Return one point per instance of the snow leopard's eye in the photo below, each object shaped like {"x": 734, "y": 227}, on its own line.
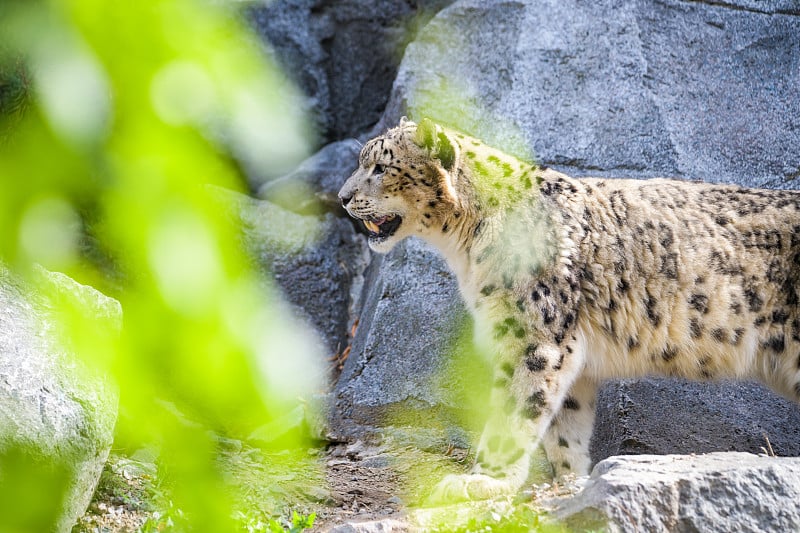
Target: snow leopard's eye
{"x": 379, "y": 169}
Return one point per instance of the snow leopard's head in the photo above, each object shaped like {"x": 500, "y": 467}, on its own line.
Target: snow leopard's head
{"x": 403, "y": 185}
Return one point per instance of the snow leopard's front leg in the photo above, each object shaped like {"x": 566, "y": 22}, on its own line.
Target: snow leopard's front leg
{"x": 528, "y": 391}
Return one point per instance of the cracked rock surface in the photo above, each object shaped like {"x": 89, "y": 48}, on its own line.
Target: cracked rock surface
{"x": 686, "y": 493}
{"x": 701, "y": 90}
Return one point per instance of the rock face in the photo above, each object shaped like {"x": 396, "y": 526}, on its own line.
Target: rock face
{"x": 689, "y": 89}
{"x": 679, "y": 493}
{"x": 342, "y": 54}
{"x": 408, "y": 327}
{"x": 660, "y": 416}
{"x": 56, "y": 421}
{"x": 317, "y": 261}
{"x": 692, "y": 89}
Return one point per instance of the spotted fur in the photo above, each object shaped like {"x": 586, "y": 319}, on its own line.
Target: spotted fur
{"x": 573, "y": 281}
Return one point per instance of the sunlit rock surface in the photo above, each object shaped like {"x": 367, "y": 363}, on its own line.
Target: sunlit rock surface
{"x": 634, "y": 89}
{"x": 56, "y": 418}
{"x": 682, "y": 493}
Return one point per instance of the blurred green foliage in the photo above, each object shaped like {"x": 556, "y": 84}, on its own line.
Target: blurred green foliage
{"x": 518, "y": 519}
{"x": 298, "y": 523}
{"x": 32, "y": 490}
{"x": 113, "y": 118}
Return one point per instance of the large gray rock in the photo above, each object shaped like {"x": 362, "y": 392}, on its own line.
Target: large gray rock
{"x": 701, "y": 90}
{"x": 681, "y": 493}
{"x": 56, "y": 417}
{"x": 343, "y": 54}
{"x": 409, "y": 324}
{"x": 660, "y": 416}
{"x": 316, "y": 261}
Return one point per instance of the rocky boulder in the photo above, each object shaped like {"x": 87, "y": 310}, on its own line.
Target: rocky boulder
{"x": 342, "y": 54}
{"x": 661, "y": 416}
{"x": 409, "y": 324}
{"x": 680, "y": 493}
{"x": 317, "y": 261}
{"x": 56, "y": 418}
{"x": 690, "y": 89}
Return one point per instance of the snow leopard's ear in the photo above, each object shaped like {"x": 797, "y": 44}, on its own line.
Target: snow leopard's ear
{"x": 425, "y": 136}
{"x": 431, "y": 137}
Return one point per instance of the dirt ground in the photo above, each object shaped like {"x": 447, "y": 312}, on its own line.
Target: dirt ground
{"x": 354, "y": 482}
{"x": 339, "y": 484}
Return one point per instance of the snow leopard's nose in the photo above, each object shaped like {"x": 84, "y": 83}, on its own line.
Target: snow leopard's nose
{"x": 348, "y": 190}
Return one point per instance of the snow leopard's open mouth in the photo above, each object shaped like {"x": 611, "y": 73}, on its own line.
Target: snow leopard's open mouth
{"x": 382, "y": 227}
